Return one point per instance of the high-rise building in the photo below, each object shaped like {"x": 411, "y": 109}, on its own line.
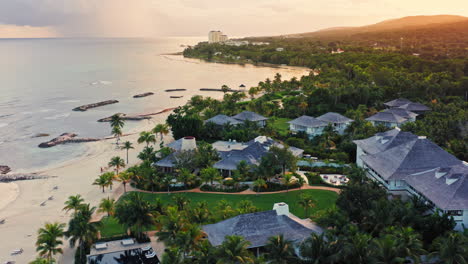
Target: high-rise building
{"x": 216, "y": 37}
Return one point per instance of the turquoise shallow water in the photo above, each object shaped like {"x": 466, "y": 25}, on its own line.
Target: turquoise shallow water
{"x": 41, "y": 80}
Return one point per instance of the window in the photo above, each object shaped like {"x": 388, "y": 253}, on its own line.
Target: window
{"x": 455, "y": 212}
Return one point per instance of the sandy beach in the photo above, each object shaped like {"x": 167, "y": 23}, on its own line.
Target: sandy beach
{"x": 20, "y": 203}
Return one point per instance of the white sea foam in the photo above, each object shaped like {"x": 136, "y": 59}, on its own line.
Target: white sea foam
{"x": 45, "y": 110}
{"x": 3, "y": 124}
{"x": 101, "y": 82}
{"x": 58, "y": 116}
{"x": 69, "y": 101}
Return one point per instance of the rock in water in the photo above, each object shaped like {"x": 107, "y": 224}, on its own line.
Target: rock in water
{"x": 4, "y": 169}
{"x": 41, "y": 135}
{"x": 125, "y": 117}
{"x": 89, "y": 106}
{"x": 143, "y": 95}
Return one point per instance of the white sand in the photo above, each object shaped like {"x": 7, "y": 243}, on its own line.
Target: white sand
{"x": 24, "y": 215}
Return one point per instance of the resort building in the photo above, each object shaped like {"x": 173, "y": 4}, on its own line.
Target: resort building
{"x": 407, "y": 105}
{"x": 167, "y": 164}
{"x": 216, "y": 37}
{"x": 315, "y": 126}
{"x": 252, "y": 117}
{"x": 387, "y": 119}
{"x": 122, "y": 251}
{"x": 408, "y": 165}
{"x": 222, "y": 120}
{"x": 257, "y": 228}
{"x": 232, "y": 153}
{"x": 399, "y": 112}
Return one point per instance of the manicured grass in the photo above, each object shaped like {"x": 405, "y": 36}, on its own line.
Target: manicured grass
{"x": 281, "y": 126}
{"x": 324, "y": 199}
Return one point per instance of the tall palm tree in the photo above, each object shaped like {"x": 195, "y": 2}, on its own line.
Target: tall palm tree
{"x": 173, "y": 256}
{"x": 110, "y": 177}
{"x": 107, "y": 205}
{"x": 162, "y": 130}
{"x": 451, "y": 248}
{"x": 386, "y": 251}
{"x": 127, "y": 145}
{"x": 316, "y": 249}
{"x": 280, "y": 250}
{"x": 210, "y": 175}
{"x": 259, "y": 183}
{"x": 409, "y": 242}
{"x": 171, "y": 224}
{"x": 233, "y": 250}
{"x": 102, "y": 181}
{"x": 186, "y": 177}
{"x": 117, "y": 162}
{"x": 40, "y": 260}
{"x": 74, "y": 202}
{"x": 81, "y": 230}
{"x": 287, "y": 180}
{"x": 306, "y": 202}
{"x": 49, "y": 240}
{"x": 181, "y": 201}
{"x": 146, "y": 137}
{"x": 117, "y": 132}
{"x": 125, "y": 177}
{"x": 117, "y": 123}
{"x": 189, "y": 239}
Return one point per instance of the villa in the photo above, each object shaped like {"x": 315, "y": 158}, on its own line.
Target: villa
{"x": 222, "y": 120}
{"x": 252, "y": 117}
{"x": 258, "y": 227}
{"x": 168, "y": 163}
{"x": 407, "y": 165}
{"x": 122, "y": 251}
{"x": 232, "y": 152}
{"x": 398, "y": 112}
{"x": 315, "y": 126}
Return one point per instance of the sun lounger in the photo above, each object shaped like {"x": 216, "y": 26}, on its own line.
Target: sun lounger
{"x": 43, "y": 203}
{"x": 151, "y": 255}
{"x": 2, "y": 221}
{"x": 55, "y": 187}
{"x": 50, "y": 198}
{"x": 146, "y": 248}
{"x": 17, "y": 251}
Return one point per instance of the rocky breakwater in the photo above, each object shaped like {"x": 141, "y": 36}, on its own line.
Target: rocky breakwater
{"x": 23, "y": 177}
{"x": 126, "y": 117}
{"x": 143, "y": 95}
{"x": 66, "y": 138}
{"x": 4, "y": 169}
{"x": 89, "y": 106}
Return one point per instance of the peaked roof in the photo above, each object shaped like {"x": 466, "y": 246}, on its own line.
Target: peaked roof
{"x": 250, "y": 116}
{"x": 447, "y": 188}
{"x": 257, "y": 228}
{"x": 402, "y": 112}
{"x": 387, "y": 117}
{"x": 308, "y": 121}
{"x": 415, "y": 107}
{"x": 333, "y": 117}
{"x": 397, "y": 102}
{"x": 223, "y": 120}
{"x": 385, "y": 140}
{"x": 414, "y": 156}
{"x": 251, "y": 154}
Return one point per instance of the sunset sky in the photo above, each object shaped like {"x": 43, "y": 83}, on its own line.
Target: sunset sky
{"x": 154, "y": 18}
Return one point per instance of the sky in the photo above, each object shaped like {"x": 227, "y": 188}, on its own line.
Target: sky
{"x": 158, "y": 18}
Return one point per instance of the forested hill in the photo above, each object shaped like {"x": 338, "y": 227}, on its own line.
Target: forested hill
{"x": 435, "y": 37}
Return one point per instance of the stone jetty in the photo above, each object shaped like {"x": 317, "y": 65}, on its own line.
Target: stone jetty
{"x": 143, "y": 95}
{"x": 66, "y": 138}
{"x": 217, "y": 90}
{"x": 22, "y": 177}
{"x": 126, "y": 117}
{"x": 89, "y": 106}
{"x": 175, "y": 90}
{"x": 4, "y": 169}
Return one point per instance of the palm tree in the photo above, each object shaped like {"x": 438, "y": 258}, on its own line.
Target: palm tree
{"x": 171, "y": 224}
{"x": 74, "y": 203}
{"x": 280, "y": 250}
{"x": 40, "y": 260}
{"x": 102, "y": 181}
{"x": 306, "y": 202}
{"x": 117, "y": 132}
{"x": 181, "y": 201}
{"x": 127, "y": 145}
{"x": 259, "y": 183}
{"x": 210, "y": 175}
{"x": 225, "y": 88}
{"x": 134, "y": 213}
{"x": 451, "y": 248}
{"x": 173, "y": 256}
{"x": 186, "y": 177}
{"x": 233, "y": 250}
{"x": 316, "y": 249}
{"x": 287, "y": 180}
{"x": 107, "y": 205}
{"x": 110, "y": 177}
{"x": 386, "y": 251}
{"x": 125, "y": 177}
{"x": 409, "y": 242}
{"x": 190, "y": 238}
{"x": 161, "y": 129}
{"x": 146, "y": 137}
{"x": 301, "y": 182}
{"x": 116, "y": 162}
{"x": 49, "y": 240}
{"x": 81, "y": 230}
{"x": 117, "y": 121}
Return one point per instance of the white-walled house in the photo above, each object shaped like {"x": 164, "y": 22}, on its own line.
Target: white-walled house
{"x": 408, "y": 165}
{"x": 315, "y": 126}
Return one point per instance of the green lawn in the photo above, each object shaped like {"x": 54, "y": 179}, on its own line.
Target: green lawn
{"x": 281, "y": 126}
{"x": 325, "y": 199}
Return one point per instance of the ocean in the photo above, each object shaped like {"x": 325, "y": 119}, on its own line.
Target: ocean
{"x": 42, "y": 80}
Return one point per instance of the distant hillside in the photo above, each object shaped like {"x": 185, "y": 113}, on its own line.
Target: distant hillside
{"x": 411, "y": 22}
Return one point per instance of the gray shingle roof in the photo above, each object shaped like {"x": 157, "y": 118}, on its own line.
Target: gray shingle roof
{"x": 447, "y": 191}
{"x": 252, "y": 154}
{"x": 257, "y": 228}
{"x": 223, "y": 120}
{"x": 167, "y": 162}
{"x": 397, "y": 102}
{"x": 385, "y": 140}
{"x": 414, "y": 107}
{"x": 387, "y": 117}
{"x": 250, "y": 116}
{"x": 402, "y": 112}
{"x": 414, "y": 156}
{"x": 308, "y": 121}
{"x": 333, "y": 117}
